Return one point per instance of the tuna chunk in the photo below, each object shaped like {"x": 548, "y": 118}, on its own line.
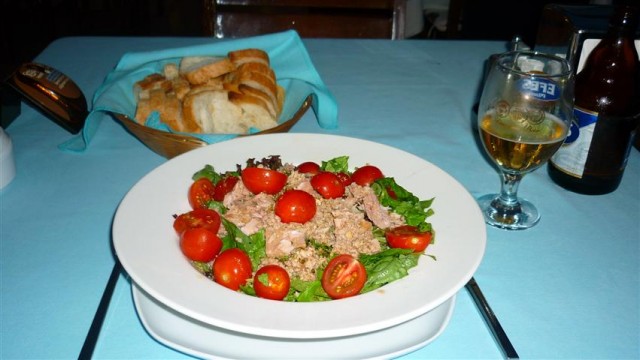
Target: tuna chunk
{"x": 378, "y": 214}
{"x": 250, "y": 213}
{"x": 282, "y": 240}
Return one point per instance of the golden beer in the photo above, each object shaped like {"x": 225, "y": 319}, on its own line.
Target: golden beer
{"x": 520, "y": 143}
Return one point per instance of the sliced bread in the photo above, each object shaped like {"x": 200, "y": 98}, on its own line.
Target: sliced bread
{"x": 143, "y": 88}
{"x": 171, "y": 71}
{"x": 168, "y": 106}
{"x": 239, "y": 57}
{"x": 254, "y": 113}
{"x": 199, "y": 69}
{"x": 257, "y": 67}
{"x": 211, "y": 112}
{"x": 268, "y": 103}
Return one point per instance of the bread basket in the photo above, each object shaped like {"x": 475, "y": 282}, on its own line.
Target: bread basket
{"x": 170, "y": 145}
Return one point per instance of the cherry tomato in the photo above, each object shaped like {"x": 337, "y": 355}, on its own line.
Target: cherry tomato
{"x": 344, "y": 276}
{"x": 308, "y": 167}
{"x": 295, "y": 206}
{"x": 259, "y": 180}
{"x": 205, "y": 218}
{"x": 232, "y": 268}
{"x": 366, "y": 175}
{"x": 200, "y": 193}
{"x": 271, "y": 282}
{"x": 328, "y": 185}
{"x": 345, "y": 178}
{"x": 224, "y": 186}
{"x": 408, "y": 237}
{"x": 200, "y": 244}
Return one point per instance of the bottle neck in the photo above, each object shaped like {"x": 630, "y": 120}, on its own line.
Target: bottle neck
{"x": 624, "y": 22}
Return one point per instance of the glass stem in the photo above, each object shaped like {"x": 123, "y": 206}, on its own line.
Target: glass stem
{"x": 508, "y": 202}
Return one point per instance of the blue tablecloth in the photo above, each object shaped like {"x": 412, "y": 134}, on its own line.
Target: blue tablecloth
{"x": 568, "y": 288}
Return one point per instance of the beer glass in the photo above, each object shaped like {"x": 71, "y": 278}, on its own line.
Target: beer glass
{"x": 524, "y": 116}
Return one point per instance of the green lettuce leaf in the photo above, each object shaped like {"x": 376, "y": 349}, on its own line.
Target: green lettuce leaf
{"x": 410, "y": 207}
{"x": 339, "y": 164}
{"x": 306, "y": 291}
{"x": 387, "y": 266}
{"x": 207, "y": 172}
{"x": 254, "y": 245}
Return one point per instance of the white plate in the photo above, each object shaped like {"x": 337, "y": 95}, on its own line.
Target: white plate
{"x": 148, "y": 249}
{"x": 207, "y": 341}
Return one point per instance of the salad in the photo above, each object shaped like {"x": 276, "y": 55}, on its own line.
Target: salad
{"x": 305, "y": 232}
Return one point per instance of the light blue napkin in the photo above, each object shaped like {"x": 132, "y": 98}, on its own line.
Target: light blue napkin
{"x": 289, "y": 59}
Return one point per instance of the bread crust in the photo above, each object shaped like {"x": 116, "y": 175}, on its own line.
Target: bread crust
{"x": 266, "y": 99}
{"x": 143, "y": 88}
{"x": 257, "y": 67}
{"x": 171, "y": 113}
{"x": 168, "y": 106}
{"x": 239, "y": 57}
{"x": 254, "y": 113}
{"x": 216, "y": 67}
{"x": 180, "y": 87}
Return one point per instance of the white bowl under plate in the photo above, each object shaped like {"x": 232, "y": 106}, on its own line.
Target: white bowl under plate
{"x": 206, "y": 341}
{"x": 147, "y": 246}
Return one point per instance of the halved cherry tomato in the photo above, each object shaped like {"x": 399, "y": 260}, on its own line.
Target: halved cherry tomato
{"x": 232, "y": 268}
{"x": 200, "y": 193}
{"x": 295, "y": 206}
{"x": 345, "y": 178}
{"x": 200, "y": 244}
{"x": 344, "y": 276}
{"x": 224, "y": 186}
{"x": 271, "y": 282}
{"x": 366, "y": 175}
{"x": 408, "y": 237}
{"x": 205, "y": 218}
{"x": 259, "y": 180}
{"x": 308, "y": 167}
{"x": 328, "y": 185}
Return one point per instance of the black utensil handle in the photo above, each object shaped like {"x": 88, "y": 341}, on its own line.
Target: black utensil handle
{"x": 96, "y": 325}
{"x": 491, "y": 320}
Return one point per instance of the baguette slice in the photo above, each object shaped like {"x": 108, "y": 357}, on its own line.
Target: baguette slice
{"x": 180, "y": 87}
{"x": 199, "y": 69}
{"x": 143, "y": 88}
{"x": 266, "y": 100}
{"x": 260, "y": 82}
{"x": 254, "y": 113}
{"x": 282, "y": 95}
{"x": 243, "y": 56}
{"x": 168, "y": 106}
{"x": 211, "y": 112}
{"x": 257, "y": 67}
{"x": 171, "y": 113}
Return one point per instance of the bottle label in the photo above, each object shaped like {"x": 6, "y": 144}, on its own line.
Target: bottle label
{"x": 572, "y": 156}
{"x": 541, "y": 89}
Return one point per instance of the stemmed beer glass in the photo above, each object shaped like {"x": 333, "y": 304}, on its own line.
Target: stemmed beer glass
{"x": 524, "y": 116}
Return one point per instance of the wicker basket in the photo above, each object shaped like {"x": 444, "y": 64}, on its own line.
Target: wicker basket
{"x": 170, "y": 145}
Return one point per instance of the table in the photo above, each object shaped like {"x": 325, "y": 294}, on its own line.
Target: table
{"x": 568, "y": 288}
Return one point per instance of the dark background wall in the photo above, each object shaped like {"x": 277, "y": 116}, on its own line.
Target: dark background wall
{"x": 28, "y": 26}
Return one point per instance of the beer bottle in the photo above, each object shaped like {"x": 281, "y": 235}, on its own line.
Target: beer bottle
{"x": 606, "y": 112}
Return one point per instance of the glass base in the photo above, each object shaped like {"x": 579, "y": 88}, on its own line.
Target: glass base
{"x": 519, "y": 216}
